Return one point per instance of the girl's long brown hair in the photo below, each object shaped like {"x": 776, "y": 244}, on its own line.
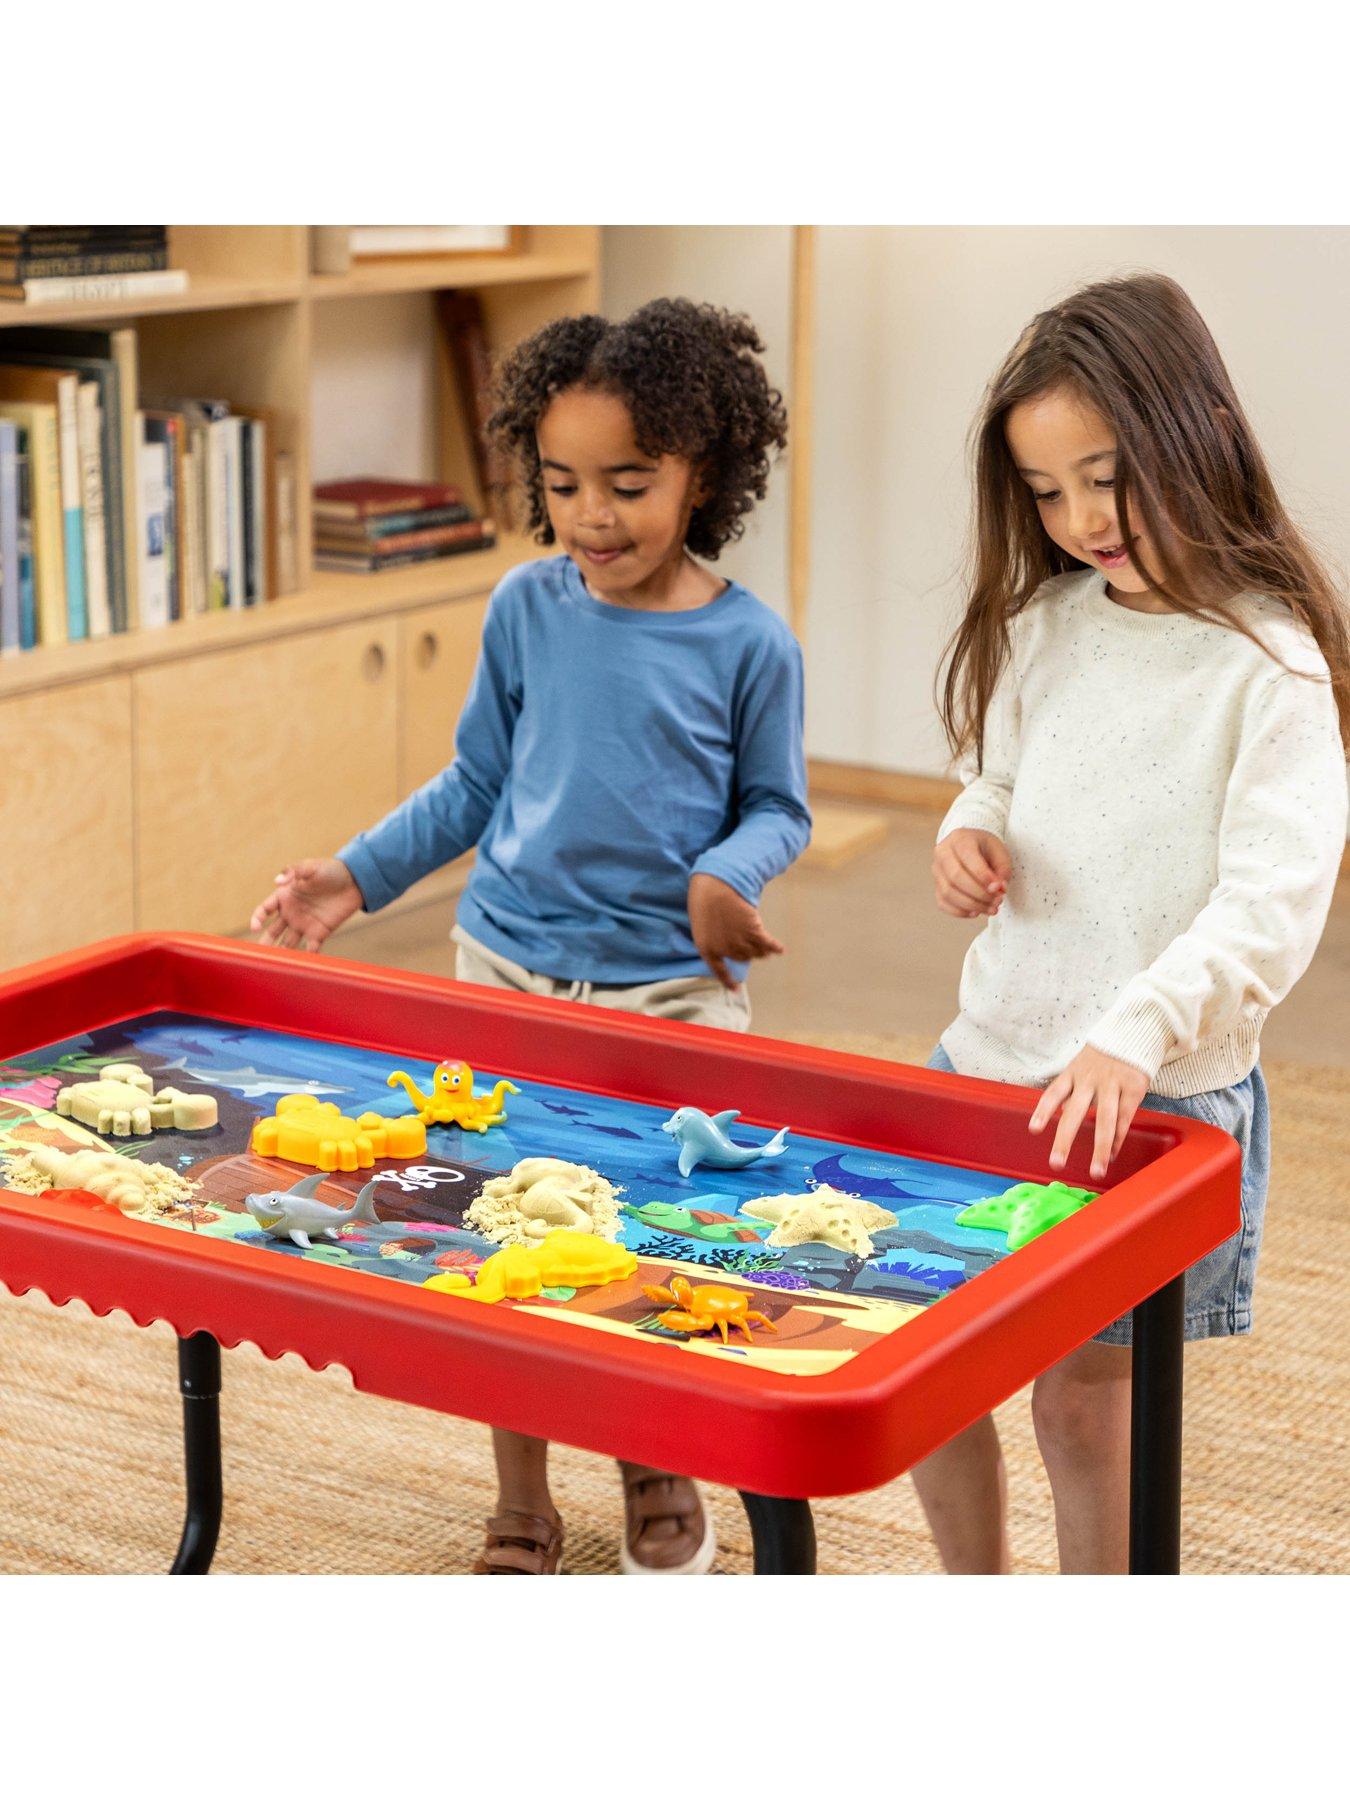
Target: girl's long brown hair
{"x": 1188, "y": 473}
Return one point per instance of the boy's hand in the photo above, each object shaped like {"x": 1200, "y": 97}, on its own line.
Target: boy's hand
{"x": 970, "y": 873}
{"x": 310, "y": 900}
{"x": 1093, "y": 1078}
{"x": 725, "y": 926}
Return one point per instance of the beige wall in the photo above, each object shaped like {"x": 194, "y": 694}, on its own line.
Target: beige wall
{"x": 911, "y": 323}
{"x": 746, "y": 268}
{"x": 374, "y": 405}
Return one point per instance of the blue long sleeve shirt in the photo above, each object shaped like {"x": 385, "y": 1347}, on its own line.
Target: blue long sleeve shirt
{"x": 604, "y": 755}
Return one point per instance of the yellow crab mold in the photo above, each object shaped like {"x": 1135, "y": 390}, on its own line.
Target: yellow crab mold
{"x": 317, "y": 1133}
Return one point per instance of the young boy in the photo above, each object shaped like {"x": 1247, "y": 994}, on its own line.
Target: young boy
{"x": 629, "y": 762}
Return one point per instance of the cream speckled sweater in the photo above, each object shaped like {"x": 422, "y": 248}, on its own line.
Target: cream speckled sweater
{"x": 1174, "y": 805}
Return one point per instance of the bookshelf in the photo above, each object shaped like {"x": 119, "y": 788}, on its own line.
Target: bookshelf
{"x": 156, "y": 779}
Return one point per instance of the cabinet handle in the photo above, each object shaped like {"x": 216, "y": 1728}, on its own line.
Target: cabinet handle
{"x": 373, "y": 661}
{"x": 428, "y": 648}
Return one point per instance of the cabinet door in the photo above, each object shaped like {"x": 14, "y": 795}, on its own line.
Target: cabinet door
{"x": 438, "y": 650}
{"x": 65, "y": 819}
{"x": 250, "y": 759}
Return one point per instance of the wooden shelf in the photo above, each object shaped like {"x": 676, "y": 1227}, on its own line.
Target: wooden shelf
{"x": 203, "y": 295}
{"x": 424, "y": 274}
{"x": 331, "y": 599}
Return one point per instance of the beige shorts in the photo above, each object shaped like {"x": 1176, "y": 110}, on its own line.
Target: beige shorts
{"x": 695, "y": 999}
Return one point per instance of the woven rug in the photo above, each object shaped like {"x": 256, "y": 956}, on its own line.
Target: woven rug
{"x": 319, "y": 1478}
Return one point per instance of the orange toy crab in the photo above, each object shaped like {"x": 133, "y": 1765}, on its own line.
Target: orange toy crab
{"x": 706, "y": 1308}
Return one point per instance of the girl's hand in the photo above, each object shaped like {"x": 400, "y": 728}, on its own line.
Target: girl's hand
{"x": 1115, "y": 1088}
{"x": 970, "y": 873}
{"x": 724, "y": 926}
{"x": 310, "y": 900}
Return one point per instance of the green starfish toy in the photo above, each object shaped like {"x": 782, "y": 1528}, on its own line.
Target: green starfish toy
{"x": 1025, "y": 1211}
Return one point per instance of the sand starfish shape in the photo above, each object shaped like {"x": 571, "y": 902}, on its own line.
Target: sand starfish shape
{"x": 823, "y": 1217}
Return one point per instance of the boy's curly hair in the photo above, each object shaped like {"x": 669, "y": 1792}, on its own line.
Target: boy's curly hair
{"x": 690, "y": 377}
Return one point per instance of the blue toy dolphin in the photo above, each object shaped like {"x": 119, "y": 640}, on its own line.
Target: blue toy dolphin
{"x": 704, "y": 1140}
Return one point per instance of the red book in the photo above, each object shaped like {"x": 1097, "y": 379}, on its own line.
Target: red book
{"x": 368, "y": 497}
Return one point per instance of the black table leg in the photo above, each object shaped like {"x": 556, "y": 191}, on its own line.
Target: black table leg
{"x": 1155, "y": 1432}
{"x": 784, "y": 1535}
{"x": 199, "y": 1380}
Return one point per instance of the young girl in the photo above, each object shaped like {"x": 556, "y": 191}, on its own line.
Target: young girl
{"x": 629, "y": 760}
{"x": 1151, "y": 682}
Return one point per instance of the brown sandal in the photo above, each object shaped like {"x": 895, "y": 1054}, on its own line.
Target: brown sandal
{"x": 521, "y": 1543}
{"x": 665, "y": 1500}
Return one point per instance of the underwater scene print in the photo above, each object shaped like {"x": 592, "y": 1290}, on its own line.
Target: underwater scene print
{"x": 821, "y": 1303}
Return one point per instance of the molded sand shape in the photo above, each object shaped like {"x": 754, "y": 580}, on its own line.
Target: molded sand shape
{"x": 1027, "y": 1210}
{"x": 306, "y": 1130}
{"x": 452, "y": 1100}
{"x": 563, "y": 1259}
{"x": 123, "y": 1102}
{"x": 823, "y": 1217}
{"x": 116, "y": 1179}
{"x": 706, "y": 1308}
{"x": 543, "y": 1194}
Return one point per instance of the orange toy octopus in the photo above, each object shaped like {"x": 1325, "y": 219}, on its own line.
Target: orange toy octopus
{"x": 706, "y": 1308}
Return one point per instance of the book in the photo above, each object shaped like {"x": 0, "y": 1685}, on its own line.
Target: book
{"x": 28, "y": 267}
{"x": 153, "y": 464}
{"x": 194, "y": 596}
{"x": 426, "y": 240}
{"x": 57, "y": 387}
{"x": 28, "y": 633}
{"x": 233, "y": 427}
{"x": 255, "y": 439}
{"x": 44, "y": 456}
{"x": 460, "y": 312}
{"x": 287, "y": 536}
{"x": 10, "y": 635}
{"x": 78, "y": 236}
{"x": 464, "y": 531}
{"x": 154, "y": 284}
{"x": 386, "y": 525}
{"x": 369, "y": 496}
{"x": 357, "y": 562}
{"x": 88, "y": 432}
{"x": 109, "y": 358}
{"x": 163, "y": 428}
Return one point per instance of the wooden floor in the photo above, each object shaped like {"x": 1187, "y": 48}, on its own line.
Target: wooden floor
{"x": 868, "y": 951}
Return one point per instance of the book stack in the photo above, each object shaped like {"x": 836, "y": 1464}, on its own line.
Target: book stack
{"x": 370, "y": 524}
{"x": 86, "y": 262}
{"x": 116, "y": 516}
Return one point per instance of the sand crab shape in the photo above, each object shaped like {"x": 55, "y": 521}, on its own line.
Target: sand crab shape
{"x": 123, "y": 1102}
{"x": 705, "y": 1308}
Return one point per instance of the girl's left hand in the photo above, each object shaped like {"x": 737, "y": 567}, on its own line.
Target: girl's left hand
{"x": 724, "y": 925}
{"x": 1114, "y": 1087}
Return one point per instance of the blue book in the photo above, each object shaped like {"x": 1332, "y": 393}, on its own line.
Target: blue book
{"x": 10, "y": 632}
{"x": 28, "y": 629}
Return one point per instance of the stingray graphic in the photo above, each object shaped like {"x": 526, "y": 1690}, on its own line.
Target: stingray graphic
{"x": 831, "y": 1172}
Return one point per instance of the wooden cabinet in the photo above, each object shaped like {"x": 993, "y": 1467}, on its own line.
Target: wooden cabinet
{"x": 65, "y": 819}
{"x": 437, "y": 652}
{"x": 158, "y": 778}
{"x": 253, "y": 758}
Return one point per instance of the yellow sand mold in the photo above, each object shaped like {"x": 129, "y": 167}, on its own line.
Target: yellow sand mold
{"x": 315, "y": 1132}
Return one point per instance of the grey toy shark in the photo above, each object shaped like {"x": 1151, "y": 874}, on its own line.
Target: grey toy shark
{"x": 295, "y": 1213}
{"x": 704, "y": 1140}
